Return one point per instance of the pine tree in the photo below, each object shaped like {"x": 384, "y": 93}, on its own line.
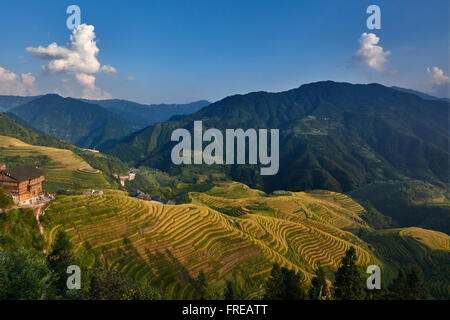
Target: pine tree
{"x": 284, "y": 284}
{"x": 233, "y": 292}
{"x": 397, "y": 289}
{"x": 349, "y": 284}
{"x": 319, "y": 289}
{"x": 201, "y": 284}
{"x": 273, "y": 284}
{"x": 60, "y": 258}
{"x": 415, "y": 287}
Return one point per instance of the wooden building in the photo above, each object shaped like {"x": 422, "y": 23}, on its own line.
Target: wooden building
{"x": 24, "y": 184}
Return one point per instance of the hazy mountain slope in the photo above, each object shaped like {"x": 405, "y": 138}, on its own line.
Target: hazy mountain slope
{"x": 74, "y": 121}
{"x": 141, "y": 115}
{"x": 420, "y": 94}
{"x": 335, "y": 136}
{"x": 8, "y": 102}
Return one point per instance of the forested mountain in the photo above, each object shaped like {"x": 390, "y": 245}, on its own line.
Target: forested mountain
{"x": 91, "y": 123}
{"x": 80, "y": 123}
{"x": 335, "y": 136}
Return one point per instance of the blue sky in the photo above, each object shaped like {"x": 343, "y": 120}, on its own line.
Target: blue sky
{"x": 180, "y": 51}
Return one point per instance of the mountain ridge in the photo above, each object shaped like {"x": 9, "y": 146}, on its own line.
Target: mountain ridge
{"x": 335, "y": 136}
{"x": 77, "y": 122}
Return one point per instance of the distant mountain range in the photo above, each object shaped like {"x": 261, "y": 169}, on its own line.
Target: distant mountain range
{"x": 9, "y": 102}
{"x": 334, "y": 136}
{"x": 142, "y": 115}
{"x": 90, "y": 123}
{"x": 77, "y": 122}
{"x": 420, "y": 94}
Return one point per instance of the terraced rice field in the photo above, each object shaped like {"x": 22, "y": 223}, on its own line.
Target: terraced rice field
{"x": 170, "y": 244}
{"x": 405, "y": 247}
{"x": 65, "y": 170}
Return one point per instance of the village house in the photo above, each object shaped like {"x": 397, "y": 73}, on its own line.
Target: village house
{"x": 23, "y": 184}
{"x": 130, "y": 176}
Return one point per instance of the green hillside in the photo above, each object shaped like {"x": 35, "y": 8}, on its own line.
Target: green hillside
{"x": 14, "y": 127}
{"x": 235, "y": 232}
{"x": 63, "y": 169}
{"x": 409, "y": 203}
{"x": 171, "y": 244}
{"x": 400, "y": 249}
{"x": 334, "y": 136}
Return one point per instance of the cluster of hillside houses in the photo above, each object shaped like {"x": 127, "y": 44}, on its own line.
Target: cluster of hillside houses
{"x": 128, "y": 177}
{"x": 23, "y": 184}
{"x": 144, "y": 196}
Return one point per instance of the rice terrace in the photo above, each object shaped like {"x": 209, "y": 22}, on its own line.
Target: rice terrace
{"x": 142, "y": 239}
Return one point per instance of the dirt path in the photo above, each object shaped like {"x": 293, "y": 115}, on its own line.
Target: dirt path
{"x": 37, "y": 213}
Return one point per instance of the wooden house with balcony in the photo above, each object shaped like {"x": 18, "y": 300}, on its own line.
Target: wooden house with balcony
{"x": 23, "y": 184}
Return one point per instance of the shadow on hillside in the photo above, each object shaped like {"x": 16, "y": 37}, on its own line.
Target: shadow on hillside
{"x": 160, "y": 267}
{"x": 167, "y": 267}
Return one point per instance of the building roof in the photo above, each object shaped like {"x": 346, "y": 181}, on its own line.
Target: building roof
{"x": 23, "y": 173}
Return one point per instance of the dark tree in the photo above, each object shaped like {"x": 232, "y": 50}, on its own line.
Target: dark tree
{"x": 408, "y": 287}
{"x": 109, "y": 285}
{"x": 273, "y": 284}
{"x": 24, "y": 275}
{"x": 60, "y": 258}
{"x": 415, "y": 287}
{"x": 319, "y": 287}
{"x": 201, "y": 285}
{"x": 141, "y": 291}
{"x": 397, "y": 289}
{"x": 284, "y": 284}
{"x": 233, "y": 291}
{"x": 349, "y": 284}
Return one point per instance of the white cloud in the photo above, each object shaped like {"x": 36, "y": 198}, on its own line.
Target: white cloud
{"x": 440, "y": 82}
{"x": 80, "y": 59}
{"x": 369, "y": 53}
{"x": 90, "y": 91}
{"x": 108, "y": 69}
{"x": 14, "y": 84}
{"x": 437, "y": 75}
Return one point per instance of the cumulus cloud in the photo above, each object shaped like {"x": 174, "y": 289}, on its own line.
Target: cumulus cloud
{"x": 14, "y": 84}
{"x": 440, "y": 82}
{"x": 108, "y": 69}
{"x": 369, "y": 53}
{"x": 437, "y": 75}
{"x": 80, "y": 58}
